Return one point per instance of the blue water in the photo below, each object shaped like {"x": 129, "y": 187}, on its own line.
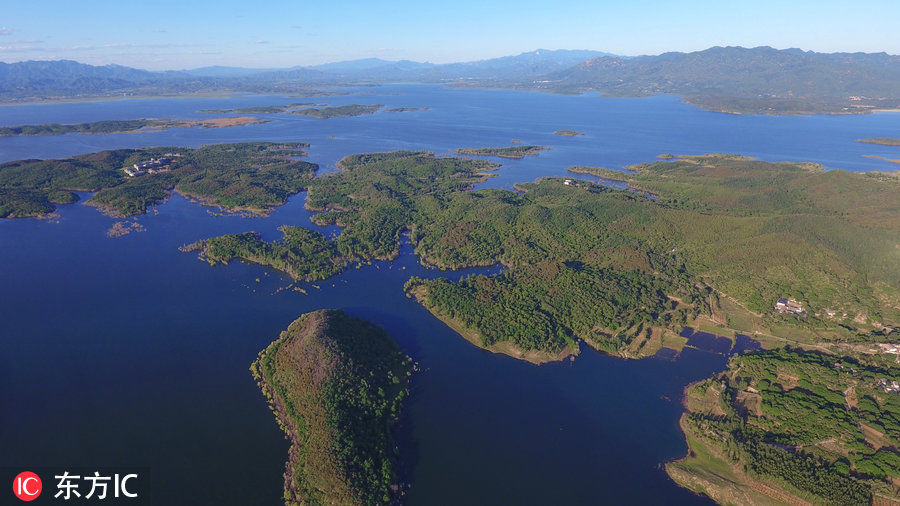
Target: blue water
{"x": 127, "y": 352}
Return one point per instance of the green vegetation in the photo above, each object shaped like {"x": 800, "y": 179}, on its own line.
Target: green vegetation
{"x": 818, "y": 427}
{"x": 717, "y": 241}
{"x": 825, "y": 238}
{"x": 96, "y": 127}
{"x": 336, "y": 385}
{"x": 264, "y": 109}
{"x": 568, "y": 133}
{"x": 120, "y": 126}
{"x": 366, "y": 199}
{"x": 722, "y": 238}
{"x": 545, "y": 306}
{"x": 303, "y": 253}
{"x": 884, "y": 141}
{"x": 339, "y": 111}
{"x": 246, "y": 176}
{"x": 510, "y": 152}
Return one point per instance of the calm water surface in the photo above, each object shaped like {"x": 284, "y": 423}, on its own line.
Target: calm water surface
{"x": 127, "y": 352}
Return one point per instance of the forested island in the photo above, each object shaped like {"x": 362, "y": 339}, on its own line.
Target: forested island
{"x": 122, "y": 126}
{"x": 336, "y": 385}
{"x": 509, "y": 152}
{"x": 252, "y": 176}
{"x": 406, "y": 109}
{"x": 342, "y": 111}
{"x": 791, "y": 425}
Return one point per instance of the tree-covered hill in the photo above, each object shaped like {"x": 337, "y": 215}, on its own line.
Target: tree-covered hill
{"x": 336, "y": 384}
{"x": 750, "y": 80}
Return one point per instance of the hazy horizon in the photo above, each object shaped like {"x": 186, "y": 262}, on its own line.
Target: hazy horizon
{"x": 396, "y": 60}
{"x": 171, "y": 35}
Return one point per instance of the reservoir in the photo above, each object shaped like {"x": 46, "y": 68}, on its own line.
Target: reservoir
{"x": 127, "y": 352}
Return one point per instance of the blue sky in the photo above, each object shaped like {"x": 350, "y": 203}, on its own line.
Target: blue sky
{"x": 191, "y": 33}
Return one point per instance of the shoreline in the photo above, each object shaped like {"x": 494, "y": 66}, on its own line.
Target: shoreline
{"x": 285, "y": 423}
{"x": 162, "y": 125}
{"x": 505, "y": 348}
{"x": 705, "y": 472}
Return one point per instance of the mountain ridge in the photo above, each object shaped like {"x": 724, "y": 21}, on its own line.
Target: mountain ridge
{"x": 721, "y": 78}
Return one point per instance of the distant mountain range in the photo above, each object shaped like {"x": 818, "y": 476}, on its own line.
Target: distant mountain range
{"x": 732, "y": 79}
{"x": 738, "y": 79}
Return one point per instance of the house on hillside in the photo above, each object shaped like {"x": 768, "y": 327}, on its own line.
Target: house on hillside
{"x": 790, "y": 306}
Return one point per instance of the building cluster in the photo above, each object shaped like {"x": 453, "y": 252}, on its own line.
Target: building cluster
{"x": 889, "y": 348}
{"x": 889, "y": 386}
{"x": 152, "y": 166}
{"x": 789, "y": 306}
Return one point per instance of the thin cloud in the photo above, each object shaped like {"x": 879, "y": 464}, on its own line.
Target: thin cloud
{"x": 5, "y": 31}
{"x": 20, "y": 49}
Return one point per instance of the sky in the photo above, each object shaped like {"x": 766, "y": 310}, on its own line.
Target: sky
{"x": 165, "y": 34}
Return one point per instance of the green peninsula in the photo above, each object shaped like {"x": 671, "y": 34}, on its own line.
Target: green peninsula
{"x": 247, "y": 176}
{"x": 789, "y": 426}
{"x": 336, "y": 385}
{"x": 342, "y": 111}
{"x": 362, "y": 199}
{"x": 720, "y": 241}
{"x": 122, "y": 126}
{"x": 508, "y": 152}
{"x": 303, "y": 254}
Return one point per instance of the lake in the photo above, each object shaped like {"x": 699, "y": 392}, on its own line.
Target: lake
{"x": 127, "y": 352}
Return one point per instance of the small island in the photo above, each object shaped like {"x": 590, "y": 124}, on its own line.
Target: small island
{"x": 876, "y": 157}
{"x": 406, "y": 109}
{"x": 601, "y": 172}
{"x": 342, "y": 111}
{"x": 252, "y": 176}
{"x": 336, "y": 385}
{"x": 568, "y": 133}
{"x": 262, "y": 109}
{"x": 509, "y": 152}
{"x": 123, "y": 228}
{"x": 883, "y": 141}
{"x": 123, "y": 126}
